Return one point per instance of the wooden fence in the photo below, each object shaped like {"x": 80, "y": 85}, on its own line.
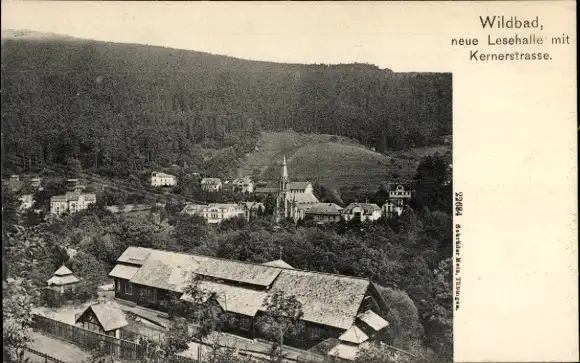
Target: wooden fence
{"x": 90, "y": 340}
{"x": 47, "y": 358}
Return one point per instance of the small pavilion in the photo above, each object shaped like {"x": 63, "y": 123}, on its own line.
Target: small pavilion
{"x": 63, "y": 280}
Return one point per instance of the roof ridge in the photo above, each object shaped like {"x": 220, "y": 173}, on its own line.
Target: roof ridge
{"x": 256, "y": 264}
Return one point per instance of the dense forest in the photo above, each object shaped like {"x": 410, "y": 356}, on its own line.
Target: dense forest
{"x": 121, "y": 106}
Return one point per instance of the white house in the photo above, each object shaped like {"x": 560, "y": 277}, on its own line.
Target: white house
{"x": 391, "y": 209}
{"x": 163, "y": 180}
{"x": 26, "y": 201}
{"x": 400, "y": 195}
{"x": 243, "y": 185}
{"x": 362, "y": 212}
{"x": 218, "y": 212}
{"x": 71, "y": 202}
{"x": 211, "y": 184}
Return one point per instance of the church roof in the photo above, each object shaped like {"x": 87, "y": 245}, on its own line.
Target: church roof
{"x": 302, "y": 198}
{"x": 298, "y": 185}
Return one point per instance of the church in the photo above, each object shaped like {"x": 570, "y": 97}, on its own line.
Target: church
{"x": 293, "y": 197}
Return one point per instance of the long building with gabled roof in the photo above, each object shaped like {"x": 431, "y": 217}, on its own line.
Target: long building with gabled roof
{"x": 332, "y": 304}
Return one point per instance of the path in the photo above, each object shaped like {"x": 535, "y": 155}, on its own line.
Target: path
{"x": 55, "y": 348}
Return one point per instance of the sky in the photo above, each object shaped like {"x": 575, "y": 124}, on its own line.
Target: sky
{"x": 299, "y": 32}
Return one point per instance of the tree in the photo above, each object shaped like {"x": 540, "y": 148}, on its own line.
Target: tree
{"x": 17, "y": 319}
{"x": 196, "y": 310}
{"x": 282, "y": 317}
{"x": 431, "y": 185}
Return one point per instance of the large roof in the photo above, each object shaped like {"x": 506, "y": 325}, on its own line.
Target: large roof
{"x": 327, "y": 299}
{"x": 278, "y": 263}
{"x": 171, "y": 271}
{"x": 324, "y": 208}
{"x": 135, "y": 255}
{"x": 232, "y": 298}
{"x": 109, "y": 317}
{"x": 298, "y": 185}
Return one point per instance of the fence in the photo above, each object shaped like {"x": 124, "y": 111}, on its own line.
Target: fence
{"x": 47, "y": 358}
{"x": 91, "y": 340}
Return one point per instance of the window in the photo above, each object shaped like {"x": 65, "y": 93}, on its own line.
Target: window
{"x": 128, "y": 288}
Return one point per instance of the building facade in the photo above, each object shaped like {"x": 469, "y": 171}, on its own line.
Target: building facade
{"x": 392, "y": 210}
{"x": 400, "y": 195}
{"x": 211, "y": 184}
{"x": 218, "y": 212}
{"x": 159, "y": 179}
{"x": 253, "y": 210}
{"x": 26, "y": 201}
{"x": 71, "y": 202}
{"x": 324, "y": 213}
{"x": 243, "y": 185}
{"x": 103, "y": 319}
{"x": 361, "y": 212}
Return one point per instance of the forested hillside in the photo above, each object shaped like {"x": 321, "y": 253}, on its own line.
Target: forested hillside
{"x": 121, "y": 106}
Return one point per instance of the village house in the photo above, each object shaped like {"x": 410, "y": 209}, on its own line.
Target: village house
{"x": 26, "y": 201}
{"x": 14, "y": 183}
{"x": 71, "y": 183}
{"x": 71, "y": 202}
{"x": 243, "y": 185}
{"x": 362, "y": 212}
{"x": 103, "y": 319}
{"x": 253, "y": 210}
{"x": 392, "y": 210}
{"x": 36, "y": 183}
{"x": 62, "y": 280}
{"x": 399, "y": 195}
{"x": 324, "y": 212}
{"x": 211, "y": 184}
{"x": 228, "y": 186}
{"x": 218, "y": 212}
{"x": 159, "y": 179}
{"x": 332, "y": 305}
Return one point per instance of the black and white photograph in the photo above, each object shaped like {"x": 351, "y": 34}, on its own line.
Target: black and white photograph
{"x": 220, "y": 189}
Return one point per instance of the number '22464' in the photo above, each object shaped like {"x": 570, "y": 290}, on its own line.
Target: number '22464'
{"x": 458, "y": 204}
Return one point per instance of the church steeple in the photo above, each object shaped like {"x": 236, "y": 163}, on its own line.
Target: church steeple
{"x": 284, "y": 169}
{"x": 281, "y": 211}
{"x": 284, "y": 176}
